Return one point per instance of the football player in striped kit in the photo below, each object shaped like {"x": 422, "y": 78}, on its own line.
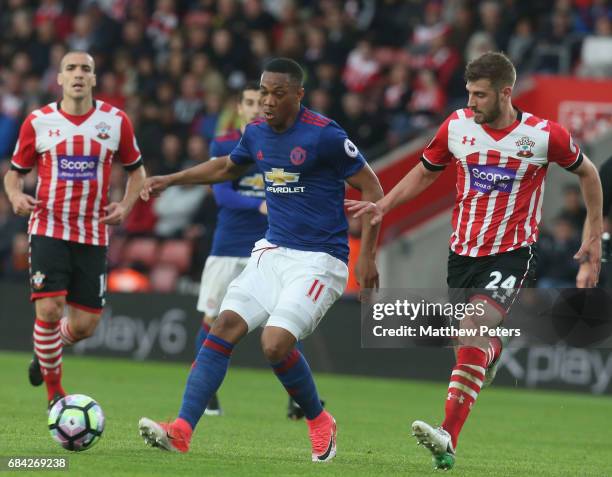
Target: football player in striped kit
{"x": 72, "y": 143}
{"x": 501, "y": 155}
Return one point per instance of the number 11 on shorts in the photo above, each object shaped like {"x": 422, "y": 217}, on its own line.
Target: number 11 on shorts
{"x": 314, "y": 292}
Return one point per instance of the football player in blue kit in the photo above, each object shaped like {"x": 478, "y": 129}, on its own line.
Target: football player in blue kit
{"x": 298, "y": 270}
{"x": 241, "y": 221}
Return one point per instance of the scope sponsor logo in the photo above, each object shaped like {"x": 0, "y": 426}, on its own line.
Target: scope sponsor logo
{"x": 77, "y": 168}
{"x": 486, "y": 179}
{"x": 489, "y": 176}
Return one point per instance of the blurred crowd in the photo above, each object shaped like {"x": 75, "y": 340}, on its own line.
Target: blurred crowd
{"x": 560, "y": 240}
{"x": 386, "y": 70}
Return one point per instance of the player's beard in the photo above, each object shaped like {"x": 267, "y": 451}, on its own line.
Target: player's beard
{"x": 491, "y": 116}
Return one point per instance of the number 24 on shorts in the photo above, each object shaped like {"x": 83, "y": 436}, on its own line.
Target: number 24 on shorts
{"x": 496, "y": 277}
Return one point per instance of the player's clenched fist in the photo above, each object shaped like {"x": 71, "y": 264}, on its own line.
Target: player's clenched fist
{"x": 154, "y": 186}
{"x": 23, "y": 204}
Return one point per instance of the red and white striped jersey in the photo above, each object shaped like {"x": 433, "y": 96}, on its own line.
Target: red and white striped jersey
{"x": 500, "y": 178}
{"x": 74, "y": 156}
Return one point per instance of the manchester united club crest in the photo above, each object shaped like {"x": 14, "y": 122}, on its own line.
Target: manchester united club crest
{"x": 525, "y": 146}
{"x": 297, "y": 156}
{"x": 38, "y": 280}
{"x": 103, "y": 130}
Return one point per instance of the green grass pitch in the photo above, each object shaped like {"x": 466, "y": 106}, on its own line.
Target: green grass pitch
{"x": 510, "y": 432}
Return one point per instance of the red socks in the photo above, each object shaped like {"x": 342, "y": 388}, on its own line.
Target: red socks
{"x": 494, "y": 350}
{"x": 65, "y": 334}
{"x": 465, "y": 383}
{"x": 48, "y": 348}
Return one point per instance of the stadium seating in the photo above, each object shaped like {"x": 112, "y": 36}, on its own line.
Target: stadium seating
{"x": 141, "y": 250}
{"x": 176, "y": 253}
{"x": 116, "y": 248}
{"x": 164, "y": 278}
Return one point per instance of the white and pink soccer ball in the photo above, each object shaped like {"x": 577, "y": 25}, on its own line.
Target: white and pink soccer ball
{"x": 76, "y": 422}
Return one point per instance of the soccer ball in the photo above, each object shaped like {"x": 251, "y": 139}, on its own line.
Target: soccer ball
{"x": 76, "y": 422}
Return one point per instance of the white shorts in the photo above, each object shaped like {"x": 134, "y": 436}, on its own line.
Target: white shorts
{"x": 288, "y": 288}
{"x": 218, "y": 273}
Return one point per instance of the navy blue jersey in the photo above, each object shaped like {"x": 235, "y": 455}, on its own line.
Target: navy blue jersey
{"x": 304, "y": 172}
{"x": 239, "y": 222}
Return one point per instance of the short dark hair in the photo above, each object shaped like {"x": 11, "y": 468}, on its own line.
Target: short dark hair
{"x": 494, "y": 66}
{"x": 77, "y": 52}
{"x": 248, "y": 86}
{"x": 287, "y": 66}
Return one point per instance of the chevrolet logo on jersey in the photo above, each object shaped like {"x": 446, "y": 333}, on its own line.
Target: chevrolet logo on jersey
{"x": 279, "y": 179}
{"x": 255, "y": 181}
{"x": 252, "y": 186}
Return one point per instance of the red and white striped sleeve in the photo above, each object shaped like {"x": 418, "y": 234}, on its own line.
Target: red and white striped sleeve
{"x": 436, "y": 155}
{"x": 129, "y": 154}
{"x": 561, "y": 147}
{"x": 24, "y": 156}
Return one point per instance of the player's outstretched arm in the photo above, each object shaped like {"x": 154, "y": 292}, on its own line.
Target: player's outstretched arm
{"x": 227, "y": 196}
{"x": 416, "y": 181}
{"x": 371, "y": 191}
{"x": 590, "y": 250}
{"x": 23, "y": 204}
{"x": 116, "y": 212}
{"x": 210, "y": 172}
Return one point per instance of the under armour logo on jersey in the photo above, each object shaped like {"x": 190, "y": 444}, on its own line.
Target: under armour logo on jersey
{"x": 501, "y": 296}
{"x": 259, "y": 155}
{"x": 471, "y": 140}
{"x": 55, "y": 132}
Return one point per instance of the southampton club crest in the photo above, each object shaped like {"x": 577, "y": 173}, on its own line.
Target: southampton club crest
{"x": 103, "y": 130}
{"x": 38, "y": 280}
{"x": 525, "y": 146}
